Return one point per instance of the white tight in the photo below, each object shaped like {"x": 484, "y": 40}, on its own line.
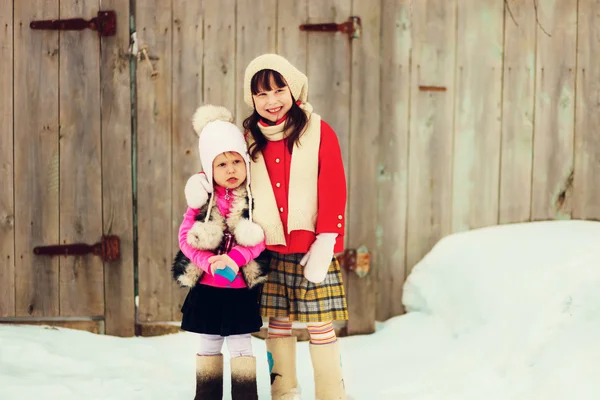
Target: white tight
{"x": 238, "y": 345}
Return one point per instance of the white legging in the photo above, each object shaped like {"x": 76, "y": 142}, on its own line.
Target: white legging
{"x": 238, "y": 345}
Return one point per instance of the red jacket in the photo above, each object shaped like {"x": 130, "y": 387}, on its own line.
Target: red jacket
{"x": 331, "y": 191}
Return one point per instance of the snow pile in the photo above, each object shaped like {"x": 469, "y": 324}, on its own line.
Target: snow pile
{"x": 522, "y": 306}
{"x": 503, "y": 313}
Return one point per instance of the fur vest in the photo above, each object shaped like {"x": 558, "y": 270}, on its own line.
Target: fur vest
{"x": 208, "y": 234}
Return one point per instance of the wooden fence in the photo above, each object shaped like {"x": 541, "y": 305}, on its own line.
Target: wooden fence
{"x": 451, "y": 114}
{"x": 65, "y": 167}
{"x": 510, "y": 135}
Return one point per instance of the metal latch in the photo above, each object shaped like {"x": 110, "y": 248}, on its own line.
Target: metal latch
{"x": 108, "y": 249}
{"x": 356, "y": 260}
{"x": 105, "y": 24}
{"x": 352, "y": 27}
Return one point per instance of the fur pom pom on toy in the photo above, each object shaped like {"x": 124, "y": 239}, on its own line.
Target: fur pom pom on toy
{"x": 184, "y": 272}
{"x": 205, "y": 235}
{"x": 190, "y": 277}
{"x": 248, "y": 233}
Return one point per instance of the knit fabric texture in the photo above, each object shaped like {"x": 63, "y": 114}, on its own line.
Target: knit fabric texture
{"x": 302, "y": 191}
{"x": 296, "y": 80}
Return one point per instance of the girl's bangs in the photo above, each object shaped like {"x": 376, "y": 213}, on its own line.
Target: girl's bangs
{"x": 264, "y": 80}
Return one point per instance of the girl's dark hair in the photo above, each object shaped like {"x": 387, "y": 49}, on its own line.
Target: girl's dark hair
{"x": 296, "y": 118}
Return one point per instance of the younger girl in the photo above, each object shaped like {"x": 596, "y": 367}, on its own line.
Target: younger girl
{"x": 215, "y": 239}
{"x": 299, "y": 189}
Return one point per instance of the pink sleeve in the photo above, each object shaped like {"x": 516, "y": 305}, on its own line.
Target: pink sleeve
{"x": 243, "y": 255}
{"x": 198, "y": 257}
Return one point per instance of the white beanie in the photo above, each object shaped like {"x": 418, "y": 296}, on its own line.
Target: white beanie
{"x": 296, "y": 80}
{"x": 217, "y": 134}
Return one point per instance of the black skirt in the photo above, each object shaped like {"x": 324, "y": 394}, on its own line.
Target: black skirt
{"x": 221, "y": 311}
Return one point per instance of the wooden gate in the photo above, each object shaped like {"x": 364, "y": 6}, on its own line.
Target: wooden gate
{"x": 67, "y": 168}
{"x": 199, "y": 52}
{"x": 69, "y": 178}
{"x": 452, "y": 115}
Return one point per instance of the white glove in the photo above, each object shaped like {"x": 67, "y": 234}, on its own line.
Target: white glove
{"x": 197, "y": 190}
{"x": 316, "y": 262}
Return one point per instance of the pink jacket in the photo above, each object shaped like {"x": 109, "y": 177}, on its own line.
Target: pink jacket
{"x": 240, "y": 254}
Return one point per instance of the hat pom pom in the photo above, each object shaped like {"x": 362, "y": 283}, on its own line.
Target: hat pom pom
{"x": 306, "y": 107}
{"x": 209, "y": 113}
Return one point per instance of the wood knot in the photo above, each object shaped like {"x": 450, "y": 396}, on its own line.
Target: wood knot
{"x": 561, "y": 203}
{"x": 9, "y": 221}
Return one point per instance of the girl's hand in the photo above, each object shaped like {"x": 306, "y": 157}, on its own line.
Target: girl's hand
{"x": 318, "y": 259}
{"x": 222, "y": 261}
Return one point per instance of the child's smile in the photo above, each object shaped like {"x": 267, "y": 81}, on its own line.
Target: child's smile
{"x": 273, "y": 104}
{"x": 274, "y": 110}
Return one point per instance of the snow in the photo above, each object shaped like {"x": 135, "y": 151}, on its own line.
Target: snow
{"x": 510, "y": 312}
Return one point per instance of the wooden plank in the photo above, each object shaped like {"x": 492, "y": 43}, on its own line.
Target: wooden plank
{"x": 364, "y": 134}
{"x": 187, "y": 95}
{"x": 36, "y": 158}
{"x": 256, "y": 34}
{"x": 430, "y": 139}
{"x": 153, "y": 19}
{"x": 81, "y": 278}
{"x": 477, "y": 134}
{"x": 117, "y": 172}
{"x": 149, "y": 329}
{"x": 392, "y": 174}
{"x": 554, "y": 110}
{"x": 219, "y": 51}
{"x": 93, "y": 326}
{"x": 7, "y": 211}
{"x": 291, "y": 41}
{"x": 328, "y": 72}
{"x": 586, "y": 191}
{"x": 518, "y": 89}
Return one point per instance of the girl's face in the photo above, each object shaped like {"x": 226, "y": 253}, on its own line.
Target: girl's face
{"x": 229, "y": 170}
{"x": 273, "y": 103}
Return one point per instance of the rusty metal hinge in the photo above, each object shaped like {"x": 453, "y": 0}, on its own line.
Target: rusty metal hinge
{"x": 352, "y": 27}
{"x": 356, "y": 260}
{"x": 105, "y": 24}
{"x": 108, "y": 249}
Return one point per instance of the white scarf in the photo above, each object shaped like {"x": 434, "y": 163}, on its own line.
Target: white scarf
{"x": 304, "y": 173}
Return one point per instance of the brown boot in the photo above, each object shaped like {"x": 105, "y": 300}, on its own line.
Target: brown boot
{"x": 243, "y": 378}
{"x": 209, "y": 377}
{"x": 281, "y": 354}
{"x": 327, "y": 366}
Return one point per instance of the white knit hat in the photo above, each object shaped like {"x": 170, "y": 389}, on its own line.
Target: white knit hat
{"x": 217, "y": 134}
{"x": 296, "y": 80}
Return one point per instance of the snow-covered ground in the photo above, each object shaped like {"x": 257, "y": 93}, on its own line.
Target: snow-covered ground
{"x": 507, "y": 313}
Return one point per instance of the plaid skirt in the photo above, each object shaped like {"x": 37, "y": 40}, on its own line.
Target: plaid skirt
{"x": 287, "y": 293}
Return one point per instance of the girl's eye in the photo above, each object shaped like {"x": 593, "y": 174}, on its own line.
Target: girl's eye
{"x": 260, "y": 94}
{"x": 236, "y": 161}
{"x": 221, "y": 165}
